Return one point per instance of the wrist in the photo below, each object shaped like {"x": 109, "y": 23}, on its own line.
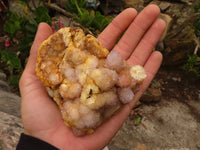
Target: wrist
{"x": 32, "y": 143}
{"x": 40, "y": 135}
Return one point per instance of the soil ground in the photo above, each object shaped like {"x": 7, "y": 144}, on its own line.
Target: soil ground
{"x": 171, "y": 123}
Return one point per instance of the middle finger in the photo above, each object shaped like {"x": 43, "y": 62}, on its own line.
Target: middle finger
{"x": 136, "y": 30}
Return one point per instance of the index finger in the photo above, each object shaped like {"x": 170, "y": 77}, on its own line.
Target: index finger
{"x": 119, "y": 24}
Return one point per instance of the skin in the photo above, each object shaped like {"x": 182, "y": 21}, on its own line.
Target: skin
{"x": 41, "y": 116}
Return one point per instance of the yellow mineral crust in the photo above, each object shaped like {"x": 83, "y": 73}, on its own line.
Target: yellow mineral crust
{"x": 88, "y": 83}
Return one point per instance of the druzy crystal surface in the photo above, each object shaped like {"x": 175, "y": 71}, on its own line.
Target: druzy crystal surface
{"x": 88, "y": 83}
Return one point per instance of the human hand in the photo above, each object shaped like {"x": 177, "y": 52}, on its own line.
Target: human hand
{"x": 41, "y": 116}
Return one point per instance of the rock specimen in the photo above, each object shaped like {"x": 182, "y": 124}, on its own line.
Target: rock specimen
{"x": 88, "y": 83}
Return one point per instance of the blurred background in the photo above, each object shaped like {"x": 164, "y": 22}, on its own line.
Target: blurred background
{"x": 168, "y": 114}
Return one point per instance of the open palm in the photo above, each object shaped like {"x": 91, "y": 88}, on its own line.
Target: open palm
{"x": 41, "y": 116}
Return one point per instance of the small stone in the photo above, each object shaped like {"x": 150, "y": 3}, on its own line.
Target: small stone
{"x": 141, "y": 146}
{"x": 151, "y": 95}
{"x": 2, "y": 76}
{"x": 176, "y": 79}
{"x": 4, "y": 86}
{"x": 10, "y": 103}
{"x": 199, "y": 94}
{"x": 164, "y": 5}
{"x": 134, "y": 3}
{"x": 155, "y": 84}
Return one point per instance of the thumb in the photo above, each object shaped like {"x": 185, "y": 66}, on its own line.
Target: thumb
{"x": 43, "y": 32}
{"x": 28, "y": 77}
